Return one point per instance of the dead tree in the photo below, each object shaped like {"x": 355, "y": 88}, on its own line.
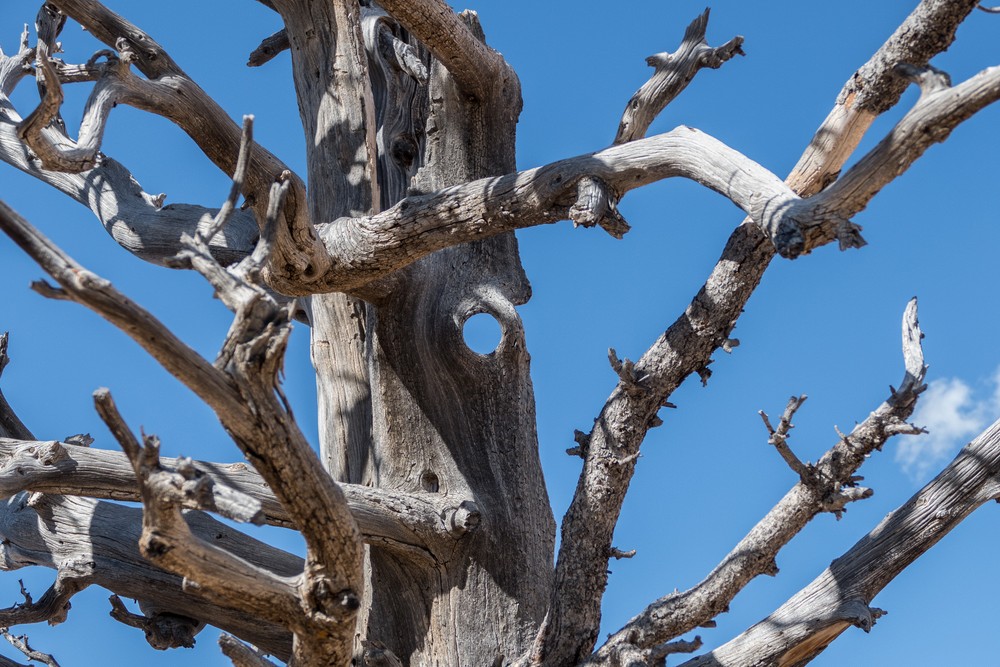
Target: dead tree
{"x": 429, "y": 534}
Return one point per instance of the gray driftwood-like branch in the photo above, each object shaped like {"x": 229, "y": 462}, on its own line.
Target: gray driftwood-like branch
{"x": 97, "y": 543}
{"x": 826, "y": 486}
{"x": 674, "y": 71}
{"x": 21, "y": 644}
{"x": 167, "y": 541}
{"x": 687, "y": 346}
{"x": 242, "y": 655}
{"x": 840, "y": 596}
{"x": 410, "y": 522}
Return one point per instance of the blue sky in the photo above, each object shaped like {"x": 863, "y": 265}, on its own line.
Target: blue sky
{"x": 826, "y": 325}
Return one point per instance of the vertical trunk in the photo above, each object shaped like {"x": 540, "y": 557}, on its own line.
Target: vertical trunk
{"x": 442, "y": 418}
{"x": 448, "y": 420}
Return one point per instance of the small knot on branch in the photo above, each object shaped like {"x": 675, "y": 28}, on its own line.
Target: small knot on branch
{"x": 730, "y": 344}
{"x": 626, "y": 372}
{"x": 778, "y": 437}
{"x": 929, "y": 78}
{"x": 597, "y": 205}
{"x": 618, "y": 554}
{"x": 463, "y": 519}
{"x": 582, "y": 442}
{"x": 659, "y": 654}
{"x": 836, "y": 503}
{"x": 79, "y": 440}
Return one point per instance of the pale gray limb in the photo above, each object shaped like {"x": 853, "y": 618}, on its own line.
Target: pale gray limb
{"x": 365, "y": 249}
{"x": 779, "y": 437}
{"x": 168, "y": 91}
{"x": 412, "y": 523}
{"x": 138, "y": 221}
{"x": 674, "y": 71}
{"x": 163, "y": 630}
{"x": 826, "y": 487}
{"x": 21, "y": 644}
{"x": 241, "y": 654}
{"x": 989, "y": 10}
{"x": 841, "y": 596}
{"x": 686, "y": 347}
{"x": 15, "y": 67}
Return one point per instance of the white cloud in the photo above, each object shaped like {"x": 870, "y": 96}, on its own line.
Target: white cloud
{"x": 953, "y": 414}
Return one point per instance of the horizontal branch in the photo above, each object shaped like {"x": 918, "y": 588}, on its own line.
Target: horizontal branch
{"x": 60, "y": 532}
{"x": 411, "y": 522}
{"x": 370, "y": 247}
{"x": 840, "y": 597}
{"x": 826, "y": 487}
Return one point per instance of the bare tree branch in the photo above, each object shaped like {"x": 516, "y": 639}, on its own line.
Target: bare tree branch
{"x": 16, "y": 67}
{"x": 840, "y": 597}
{"x": 688, "y": 344}
{"x": 72, "y": 576}
{"x": 269, "y": 48}
{"x": 163, "y": 630}
{"x": 408, "y": 522}
{"x": 475, "y": 67}
{"x": 243, "y": 392}
{"x": 99, "y": 541}
{"x": 167, "y": 541}
{"x": 10, "y": 425}
{"x": 674, "y": 71}
{"x": 167, "y": 91}
{"x": 826, "y": 486}
{"x": 241, "y": 654}
{"x": 21, "y": 644}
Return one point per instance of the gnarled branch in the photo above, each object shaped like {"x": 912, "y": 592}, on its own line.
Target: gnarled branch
{"x": 408, "y": 522}
{"x": 826, "y": 487}
{"x": 674, "y": 71}
{"x": 67, "y": 533}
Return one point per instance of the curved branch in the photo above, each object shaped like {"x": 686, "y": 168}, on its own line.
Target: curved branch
{"x": 244, "y": 392}
{"x": 14, "y": 68}
{"x": 365, "y": 249}
{"x": 475, "y": 67}
{"x": 674, "y": 71}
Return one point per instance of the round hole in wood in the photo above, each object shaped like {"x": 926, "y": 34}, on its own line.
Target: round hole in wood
{"x": 482, "y": 333}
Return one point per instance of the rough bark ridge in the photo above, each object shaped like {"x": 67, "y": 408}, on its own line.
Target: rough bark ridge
{"x": 428, "y": 528}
